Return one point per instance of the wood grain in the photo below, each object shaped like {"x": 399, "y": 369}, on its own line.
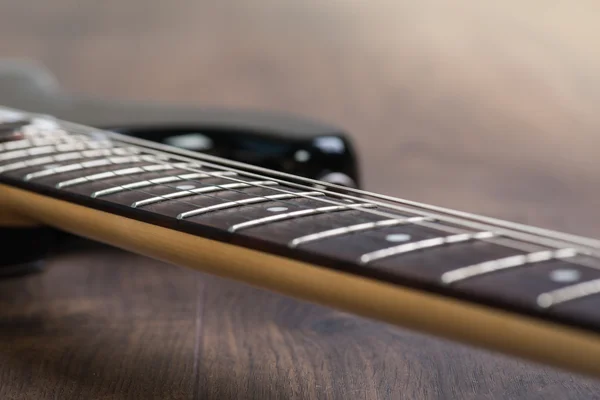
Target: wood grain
{"x": 479, "y": 106}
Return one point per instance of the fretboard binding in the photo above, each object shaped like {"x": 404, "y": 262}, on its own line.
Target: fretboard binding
{"x": 245, "y": 202}
{"x": 569, "y": 293}
{"x": 89, "y": 164}
{"x": 157, "y": 181}
{"x": 500, "y": 264}
{"x": 192, "y": 192}
{"x": 423, "y": 244}
{"x": 356, "y": 228}
{"x": 295, "y": 214}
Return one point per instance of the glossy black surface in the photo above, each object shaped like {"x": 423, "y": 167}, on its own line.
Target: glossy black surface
{"x": 273, "y": 140}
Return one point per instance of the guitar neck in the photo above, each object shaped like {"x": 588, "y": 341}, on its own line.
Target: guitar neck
{"x": 517, "y": 289}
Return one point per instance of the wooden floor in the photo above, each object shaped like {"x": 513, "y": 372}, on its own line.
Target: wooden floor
{"x": 490, "y": 107}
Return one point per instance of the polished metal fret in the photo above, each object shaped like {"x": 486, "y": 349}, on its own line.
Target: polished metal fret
{"x": 15, "y": 145}
{"x": 71, "y": 146}
{"x": 295, "y": 214}
{"x": 423, "y": 244}
{"x": 88, "y": 164}
{"x": 356, "y": 228}
{"x": 245, "y": 202}
{"x": 13, "y": 154}
{"x": 520, "y": 260}
{"x": 159, "y": 181}
{"x": 206, "y": 189}
{"x": 25, "y": 151}
{"x": 111, "y": 174}
{"x": 62, "y": 157}
{"x": 569, "y": 293}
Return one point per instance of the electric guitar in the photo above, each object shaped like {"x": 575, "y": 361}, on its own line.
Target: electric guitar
{"x": 521, "y": 290}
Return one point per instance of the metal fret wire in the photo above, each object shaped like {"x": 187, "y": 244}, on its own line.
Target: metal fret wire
{"x": 476, "y": 236}
{"x": 275, "y": 189}
{"x": 545, "y": 237}
{"x": 550, "y": 242}
{"x": 223, "y": 186}
{"x": 346, "y": 206}
{"x": 424, "y": 222}
{"x": 213, "y": 174}
{"x": 384, "y": 214}
{"x": 166, "y": 198}
{"x": 72, "y": 139}
{"x": 519, "y": 244}
{"x": 150, "y": 147}
{"x": 291, "y": 215}
{"x": 80, "y": 139}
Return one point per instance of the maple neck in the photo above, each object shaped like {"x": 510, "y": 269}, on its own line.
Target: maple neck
{"x": 531, "y": 272}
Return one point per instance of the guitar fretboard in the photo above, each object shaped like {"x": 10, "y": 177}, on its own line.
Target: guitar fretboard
{"x": 548, "y": 279}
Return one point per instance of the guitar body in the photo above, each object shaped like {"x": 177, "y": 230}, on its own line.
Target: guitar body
{"x": 100, "y": 322}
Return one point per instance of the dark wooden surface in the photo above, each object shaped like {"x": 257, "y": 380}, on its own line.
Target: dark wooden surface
{"x": 478, "y": 106}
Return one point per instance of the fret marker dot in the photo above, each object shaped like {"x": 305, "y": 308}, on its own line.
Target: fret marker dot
{"x": 277, "y": 209}
{"x": 397, "y": 237}
{"x": 565, "y": 275}
{"x": 185, "y": 187}
{"x": 302, "y": 156}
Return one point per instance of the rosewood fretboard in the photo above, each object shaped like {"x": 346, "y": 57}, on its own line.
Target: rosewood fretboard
{"x": 535, "y": 275}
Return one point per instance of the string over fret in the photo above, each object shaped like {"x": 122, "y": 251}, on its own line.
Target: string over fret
{"x": 62, "y": 157}
{"x": 569, "y": 293}
{"x": 192, "y": 192}
{"x": 245, "y": 202}
{"x": 294, "y": 214}
{"x": 356, "y": 228}
{"x": 88, "y": 164}
{"x": 504, "y": 263}
{"x": 157, "y": 181}
{"x": 120, "y": 172}
{"x": 423, "y": 244}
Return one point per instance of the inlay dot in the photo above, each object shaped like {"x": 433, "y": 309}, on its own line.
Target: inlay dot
{"x": 397, "y": 237}
{"x": 565, "y": 275}
{"x": 302, "y": 156}
{"x": 277, "y": 209}
{"x": 185, "y": 187}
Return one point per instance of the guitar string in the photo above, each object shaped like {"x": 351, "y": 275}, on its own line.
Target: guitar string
{"x": 347, "y": 206}
{"x": 142, "y": 149}
{"x": 435, "y": 225}
{"x": 166, "y": 162}
{"x": 175, "y": 189}
{"x": 145, "y": 148}
{"x": 517, "y": 245}
{"x": 520, "y": 237}
{"x": 389, "y": 215}
{"x": 366, "y": 193}
{"x": 592, "y": 244}
{"x": 228, "y": 189}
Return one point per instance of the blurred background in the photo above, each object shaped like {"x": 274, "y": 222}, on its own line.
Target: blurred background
{"x": 483, "y": 106}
